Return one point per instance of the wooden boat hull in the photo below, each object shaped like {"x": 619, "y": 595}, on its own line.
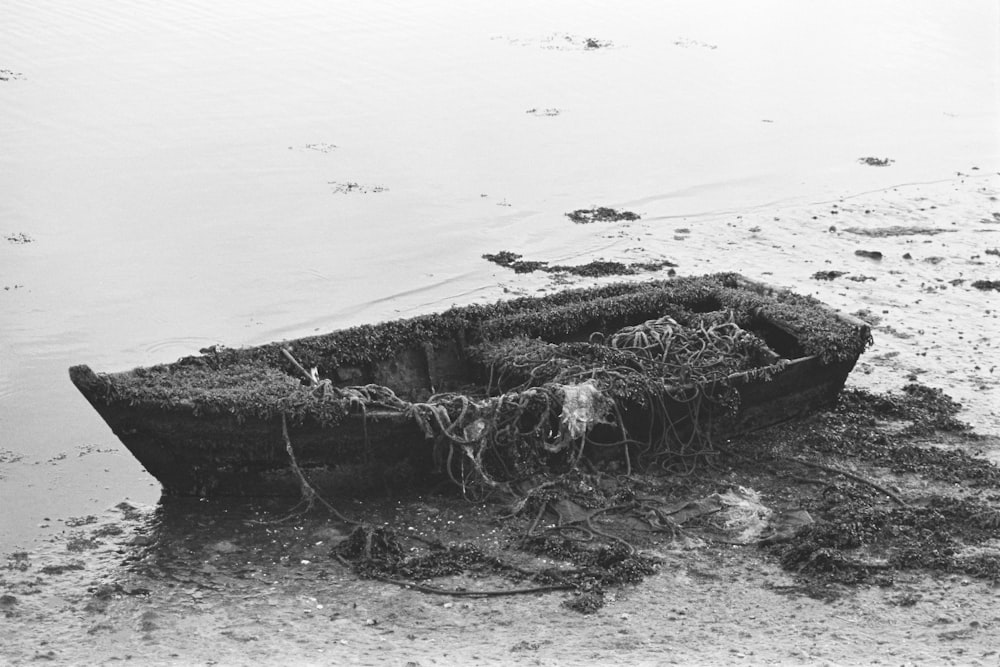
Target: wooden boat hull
{"x": 218, "y": 455}
{"x": 217, "y": 442}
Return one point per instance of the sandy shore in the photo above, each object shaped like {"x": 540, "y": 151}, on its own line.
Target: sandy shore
{"x": 218, "y": 587}
{"x": 906, "y": 258}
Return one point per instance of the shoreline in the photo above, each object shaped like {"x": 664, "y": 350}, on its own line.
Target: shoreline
{"x": 238, "y": 583}
{"x": 929, "y": 323}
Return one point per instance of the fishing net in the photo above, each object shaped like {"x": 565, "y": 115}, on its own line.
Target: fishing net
{"x": 644, "y": 395}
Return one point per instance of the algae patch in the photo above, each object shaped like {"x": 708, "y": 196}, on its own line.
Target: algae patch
{"x": 601, "y": 214}
{"x": 593, "y": 269}
{"x": 876, "y": 161}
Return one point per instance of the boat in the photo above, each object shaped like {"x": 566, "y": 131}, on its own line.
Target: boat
{"x": 382, "y": 406}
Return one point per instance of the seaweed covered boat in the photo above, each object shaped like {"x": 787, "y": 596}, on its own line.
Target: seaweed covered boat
{"x": 629, "y": 374}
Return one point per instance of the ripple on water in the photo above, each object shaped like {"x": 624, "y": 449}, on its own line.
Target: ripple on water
{"x": 177, "y": 346}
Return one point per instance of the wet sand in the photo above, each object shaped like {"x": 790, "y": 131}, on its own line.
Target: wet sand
{"x": 178, "y": 177}
{"x": 936, "y": 240}
{"x": 208, "y": 582}
{"x": 242, "y": 582}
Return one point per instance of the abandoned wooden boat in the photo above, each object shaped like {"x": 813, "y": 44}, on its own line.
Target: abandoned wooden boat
{"x": 644, "y": 372}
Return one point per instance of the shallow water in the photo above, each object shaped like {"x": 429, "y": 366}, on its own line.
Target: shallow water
{"x": 176, "y": 176}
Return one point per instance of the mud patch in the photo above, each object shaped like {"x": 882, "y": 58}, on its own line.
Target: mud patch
{"x": 10, "y": 75}
{"x": 18, "y": 238}
{"x": 987, "y": 285}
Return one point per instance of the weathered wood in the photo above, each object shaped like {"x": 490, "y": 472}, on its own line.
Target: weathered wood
{"x": 223, "y": 434}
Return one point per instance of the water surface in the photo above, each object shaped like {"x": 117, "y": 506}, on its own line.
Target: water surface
{"x": 246, "y": 171}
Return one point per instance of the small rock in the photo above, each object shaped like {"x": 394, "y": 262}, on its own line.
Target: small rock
{"x": 328, "y": 533}
{"x": 224, "y": 547}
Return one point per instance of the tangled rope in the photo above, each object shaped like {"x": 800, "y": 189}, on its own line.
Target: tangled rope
{"x": 678, "y": 376}
{"x": 527, "y": 436}
{"x": 648, "y": 392}
{"x": 705, "y": 352}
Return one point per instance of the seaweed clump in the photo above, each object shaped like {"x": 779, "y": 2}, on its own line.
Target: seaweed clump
{"x": 925, "y": 408}
{"x": 19, "y": 238}
{"x": 600, "y": 214}
{"x": 855, "y": 429}
{"x": 857, "y": 538}
{"x": 876, "y": 161}
{"x": 377, "y": 553}
{"x": 987, "y": 285}
{"x": 593, "y": 269}
{"x": 862, "y": 543}
{"x": 571, "y": 553}
{"x": 828, "y": 275}
{"x": 512, "y": 260}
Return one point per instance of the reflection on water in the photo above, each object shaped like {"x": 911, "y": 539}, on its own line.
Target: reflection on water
{"x": 173, "y": 163}
{"x": 207, "y": 544}
{"x": 223, "y": 581}
{"x": 130, "y": 568}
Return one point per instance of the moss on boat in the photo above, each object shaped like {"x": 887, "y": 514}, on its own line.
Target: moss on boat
{"x": 420, "y": 392}
{"x": 258, "y": 382}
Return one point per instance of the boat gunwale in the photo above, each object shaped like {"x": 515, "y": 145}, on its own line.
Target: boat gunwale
{"x": 609, "y": 297}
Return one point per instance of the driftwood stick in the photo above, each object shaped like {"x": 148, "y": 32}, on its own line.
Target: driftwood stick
{"x": 434, "y": 590}
{"x": 288, "y": 355}
{"x": 309, "y": 494}
{"x": 846, "y": 473}
{"x": 534, "y": 524}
